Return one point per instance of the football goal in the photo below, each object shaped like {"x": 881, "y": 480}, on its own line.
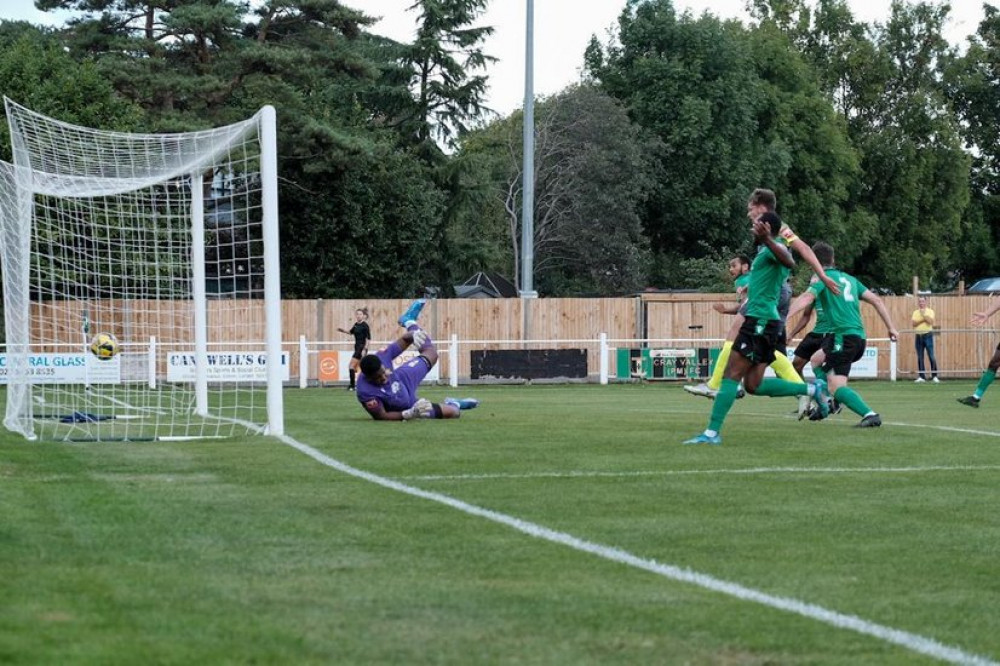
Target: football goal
{"x": 141, "y": 281}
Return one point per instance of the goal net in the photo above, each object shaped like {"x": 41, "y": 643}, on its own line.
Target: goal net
{"x": 164, "y": 244}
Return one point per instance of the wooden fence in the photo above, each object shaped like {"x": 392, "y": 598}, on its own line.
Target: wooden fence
{"x": 653, "y": 319}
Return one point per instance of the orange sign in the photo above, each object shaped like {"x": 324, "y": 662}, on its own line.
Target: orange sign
{"x": 329, "y": 366}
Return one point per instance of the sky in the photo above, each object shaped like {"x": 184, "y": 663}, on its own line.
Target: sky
{"x": 562, "y": 30}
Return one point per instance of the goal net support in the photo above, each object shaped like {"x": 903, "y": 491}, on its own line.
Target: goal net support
{"x": 167, "y": 242}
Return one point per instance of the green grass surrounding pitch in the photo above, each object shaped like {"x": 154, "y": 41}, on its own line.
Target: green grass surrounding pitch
{"x": 252, "y": 551}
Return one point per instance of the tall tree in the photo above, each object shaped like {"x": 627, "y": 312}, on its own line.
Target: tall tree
{"x": 973, "y": 86}
{"x": 198, "y": 63}
{"x": 691, "y": 83}
{"x": 445, "y": 58}
{"x": 807, "y": 155}
{"x": 734, "y": 110}
{"x": 916, "y": 172}
{"x": 592, "y": 172}
{"x": 885, "y": 82}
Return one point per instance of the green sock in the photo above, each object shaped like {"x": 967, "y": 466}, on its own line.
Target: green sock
{"x": 819, "y": 373}
{"x": 777, "y": 388}
{"x": 720, "y": 366}
{"x": 854, "y": 402}
{"x": 984, "y": 382}
{"x": 724, "y": 400}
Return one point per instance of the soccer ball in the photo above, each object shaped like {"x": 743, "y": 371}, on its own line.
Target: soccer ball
{"x": 104, "y": 346}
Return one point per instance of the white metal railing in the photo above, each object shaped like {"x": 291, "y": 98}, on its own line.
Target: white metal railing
{"x": 449, "y": 352}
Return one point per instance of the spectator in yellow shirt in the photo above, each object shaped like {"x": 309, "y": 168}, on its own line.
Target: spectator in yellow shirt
{"x": 923, "y": 329}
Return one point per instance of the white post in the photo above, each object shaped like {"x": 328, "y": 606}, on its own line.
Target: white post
{"x": 892, "y": 360}
{"x": 272, "y": 268}
{"x": 453, "y": 360}
{"x": 303, "y": 362}
{"x": 198, "y": 292}
{"x": 604, "y": 358}
{"x": 151, "y": 362}
{"x": 17, "y": 320}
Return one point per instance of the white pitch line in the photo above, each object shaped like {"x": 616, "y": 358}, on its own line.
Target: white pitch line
{"x": 904, "y": 639}
{"x": 840, "y": 422}
{"x": 711, "y": 472}
{"x": 964, "y": 431}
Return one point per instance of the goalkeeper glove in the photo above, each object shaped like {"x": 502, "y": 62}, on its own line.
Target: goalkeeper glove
{"x": 421, "y": 409}
{"x": 419, "y": 338}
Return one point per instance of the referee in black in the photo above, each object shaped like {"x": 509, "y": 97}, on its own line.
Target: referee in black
{"x": 362, "y": 334}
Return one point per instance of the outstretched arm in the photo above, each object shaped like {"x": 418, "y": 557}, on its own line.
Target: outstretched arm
{"x": 805, "y": 300}
{"x": 873, "y": 298}
{"x": 726, "y": 308}
{"x": 803, "y": 321}
{"x": 979, "y": 318}
{"x": 809, "y": 256}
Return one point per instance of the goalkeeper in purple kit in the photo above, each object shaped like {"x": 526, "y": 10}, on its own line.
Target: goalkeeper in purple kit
{"x": 389, "y": 394}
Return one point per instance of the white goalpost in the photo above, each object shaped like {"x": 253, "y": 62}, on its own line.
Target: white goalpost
{"x": 165, "y": 246}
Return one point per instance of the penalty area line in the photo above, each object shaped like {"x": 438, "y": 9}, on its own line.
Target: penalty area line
{"x": 904, "y": 639}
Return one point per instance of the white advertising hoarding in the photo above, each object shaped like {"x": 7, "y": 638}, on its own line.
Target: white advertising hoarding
{"x": 225, "y": 366}
{"x": 866, "y": 366}
{"x": 68, "y": 369}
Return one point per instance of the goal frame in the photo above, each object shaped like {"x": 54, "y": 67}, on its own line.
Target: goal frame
{"x": 21, "y": 181}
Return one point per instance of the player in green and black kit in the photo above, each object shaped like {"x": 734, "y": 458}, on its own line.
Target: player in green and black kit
{"x": 811, "y": 344}
{"x": 757, "y": 340}
{"x": 844, "y": 343}
{"x": 763, "y": 201}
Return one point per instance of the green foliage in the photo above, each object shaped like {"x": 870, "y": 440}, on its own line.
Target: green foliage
{"x": 907, "y": 187}
{"x": 972, "y": 84}
{"x": 734, "y": 110}
{"x": 475, "y": 232}
{"x": 35, "y": 72}
{"x": 708, "y": 273}
{"x": 809, "y": 160}
{"x": 592, "y": 171}
{"x": 362, "y": 230}
{"x": 443, "y": 60}
{"x": 917, "y": 174}
{"x": 880, "y": 139}
{"x": 691, "y": 83}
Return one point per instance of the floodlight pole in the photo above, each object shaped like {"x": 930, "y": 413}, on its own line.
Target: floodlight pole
{"x": 528, "y": 173}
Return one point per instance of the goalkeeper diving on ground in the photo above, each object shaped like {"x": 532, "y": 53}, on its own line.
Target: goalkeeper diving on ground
{"x": 390, "y": 394}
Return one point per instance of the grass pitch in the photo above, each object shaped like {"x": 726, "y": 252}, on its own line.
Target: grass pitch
{"x": 552, "y": 525}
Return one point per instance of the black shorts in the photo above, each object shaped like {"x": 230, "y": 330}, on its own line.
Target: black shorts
{"x": 810, "y": 344}
{"x": 758, "y": 338}
{"x": 841, "y": 351}
{"x": 359, "y": 351}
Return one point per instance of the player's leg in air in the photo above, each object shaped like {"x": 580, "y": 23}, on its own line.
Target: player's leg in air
{"x": 748, "y": 366}
{"x": 710, "y": 388}
{"x": 451, "y": 408}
